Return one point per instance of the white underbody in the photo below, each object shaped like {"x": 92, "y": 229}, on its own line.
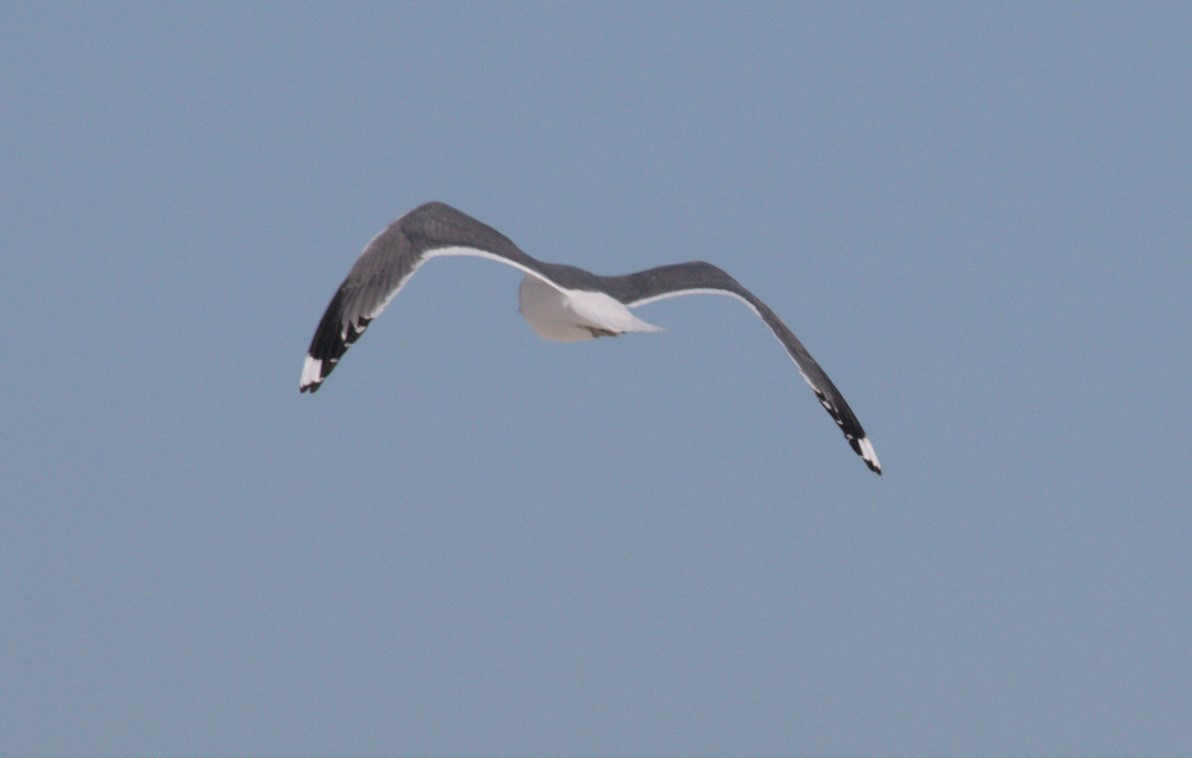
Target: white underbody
{"x": 574, "y": 315}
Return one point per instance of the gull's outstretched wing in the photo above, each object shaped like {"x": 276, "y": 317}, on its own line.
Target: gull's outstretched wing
{"x": 698, "y": 277}
{"x": 387, "y": 263}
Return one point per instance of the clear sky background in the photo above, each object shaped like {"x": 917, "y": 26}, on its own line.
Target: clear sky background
{"x": 473, "y": 541}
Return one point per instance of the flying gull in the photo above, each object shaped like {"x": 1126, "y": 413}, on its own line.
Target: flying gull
{"x": 560, "y": 302}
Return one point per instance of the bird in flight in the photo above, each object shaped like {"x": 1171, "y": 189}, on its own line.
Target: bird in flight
{"x": 560, "y": 302}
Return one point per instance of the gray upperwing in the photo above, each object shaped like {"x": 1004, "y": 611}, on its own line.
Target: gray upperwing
{"x": 385, "y": 265}
{"x": 698, "y": 276}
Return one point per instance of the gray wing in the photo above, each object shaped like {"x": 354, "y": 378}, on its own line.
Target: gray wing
{"x": 386, "y": 264}
{"x": 700, "y": 277}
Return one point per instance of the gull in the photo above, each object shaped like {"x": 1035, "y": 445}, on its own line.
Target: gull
{"x": 560, "y": 302}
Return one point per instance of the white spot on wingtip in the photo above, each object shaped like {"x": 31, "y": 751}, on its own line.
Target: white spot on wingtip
{"x": 868, "y": 453}
{"x": 312, "y": 372}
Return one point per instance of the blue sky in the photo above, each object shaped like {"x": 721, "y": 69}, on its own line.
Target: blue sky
{"x": 473, "y": 541}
